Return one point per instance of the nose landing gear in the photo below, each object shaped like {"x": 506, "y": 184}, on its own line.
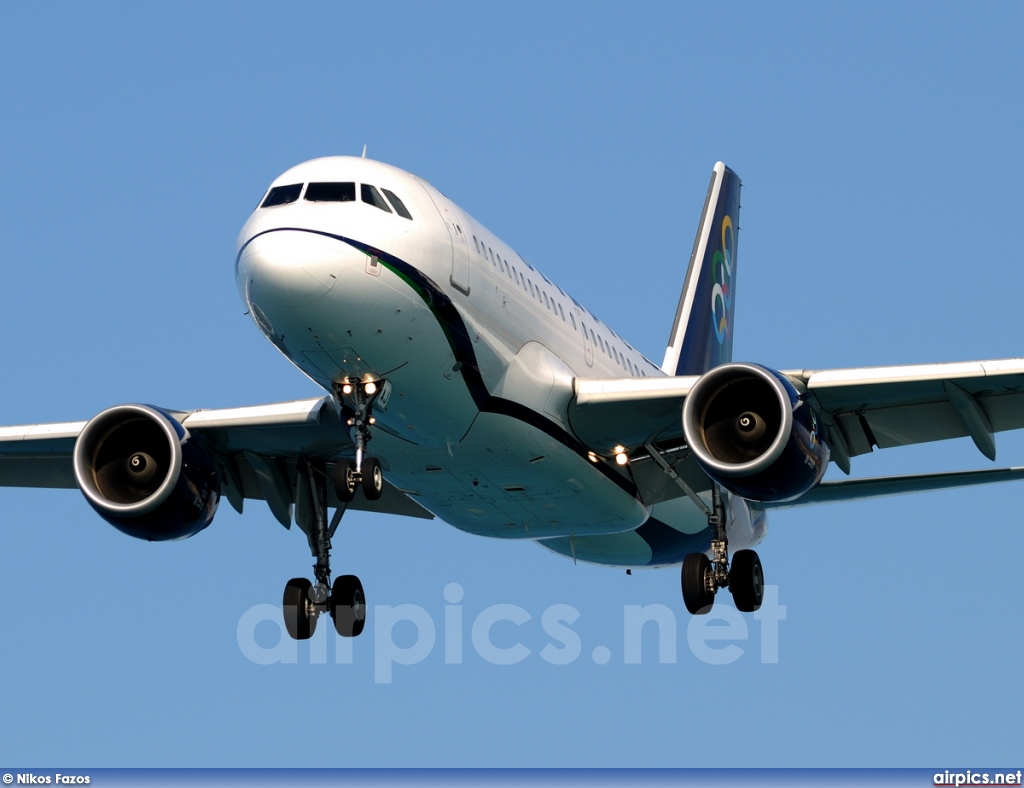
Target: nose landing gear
{"x": 703, "y": 576}
{"x": 366, "y": 471}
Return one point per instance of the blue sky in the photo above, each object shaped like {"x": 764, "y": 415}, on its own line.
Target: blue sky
{"x": 879, "y": 146}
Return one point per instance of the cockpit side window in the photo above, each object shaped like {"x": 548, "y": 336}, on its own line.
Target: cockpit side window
{"x": 331, "y": 192}
{"x": 399, "y": 206}
{"x": 372, "y": 196}
{"x": 282, "y": 195}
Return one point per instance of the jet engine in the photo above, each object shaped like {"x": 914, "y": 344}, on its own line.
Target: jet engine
{"x": 145, "y": 475}
{"x": 751, "y": 432}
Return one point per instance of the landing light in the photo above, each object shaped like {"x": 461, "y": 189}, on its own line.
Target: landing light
{"x": 370, "y": 388}
{"x": 591, "y": 456}
{"x": 622, "y": 458}
{"x": 346, "y": 389}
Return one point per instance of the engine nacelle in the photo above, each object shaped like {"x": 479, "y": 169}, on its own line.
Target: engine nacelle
{"x": 751, "y": 432}
{"x": 144, "y": 474}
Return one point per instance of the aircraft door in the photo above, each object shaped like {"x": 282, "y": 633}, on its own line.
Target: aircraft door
{"x": 460, "y": 244}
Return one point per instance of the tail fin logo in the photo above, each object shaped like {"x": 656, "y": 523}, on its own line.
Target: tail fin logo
{"x": 721, "y": 275}
{"x": 702, "y": 334}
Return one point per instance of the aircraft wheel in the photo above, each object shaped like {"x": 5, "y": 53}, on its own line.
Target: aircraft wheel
{"x": 746, "y": 581}
{"x": 696, "y": 595}
{"x": 348, "y": 606}
{"x": 344, "y": 481}
{"x": 373, "y": 479}
{"x": 299, "y": 619}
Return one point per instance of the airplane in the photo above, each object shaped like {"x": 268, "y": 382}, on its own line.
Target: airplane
{"x": 462, "y": 383}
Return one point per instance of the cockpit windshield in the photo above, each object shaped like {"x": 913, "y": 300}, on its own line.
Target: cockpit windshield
{"x": 372, "y": 196}
{"x": 282, "y": 195}
{"x": 400, "y": 208}
{"x": 331, "y": 192}
{"x": 336, "y": 191}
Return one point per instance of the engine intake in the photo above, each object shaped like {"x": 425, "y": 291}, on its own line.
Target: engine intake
{"x": 142, "y": 472}
{"x": 751, "y": 432}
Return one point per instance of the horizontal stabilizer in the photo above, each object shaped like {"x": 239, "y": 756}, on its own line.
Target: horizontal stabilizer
{"x": 882, "y": 486}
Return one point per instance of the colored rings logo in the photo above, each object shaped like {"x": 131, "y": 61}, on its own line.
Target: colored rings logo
{"x": 721, "y": 274}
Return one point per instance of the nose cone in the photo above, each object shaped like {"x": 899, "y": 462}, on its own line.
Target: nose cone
{"x": 289, "y": 268}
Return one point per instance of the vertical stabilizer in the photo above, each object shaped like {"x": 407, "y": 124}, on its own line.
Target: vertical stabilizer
{"x": 701, "y": 335}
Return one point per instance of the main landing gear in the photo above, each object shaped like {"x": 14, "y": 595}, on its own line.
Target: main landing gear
{"x": 304, "y": 601}
{"x": 703, "y": 576}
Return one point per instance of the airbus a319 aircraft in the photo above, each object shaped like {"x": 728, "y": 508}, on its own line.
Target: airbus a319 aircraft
{"x": 461, "y": 383}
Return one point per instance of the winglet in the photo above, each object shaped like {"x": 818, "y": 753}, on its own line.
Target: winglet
{"x": 701, "y": 336}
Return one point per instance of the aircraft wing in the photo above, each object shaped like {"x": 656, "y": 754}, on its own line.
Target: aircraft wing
{"x": 256, "y": 450}
{"x": 861, "y": 408}
{"x": 898, "y": 406}
{"x": 609, "y": 412}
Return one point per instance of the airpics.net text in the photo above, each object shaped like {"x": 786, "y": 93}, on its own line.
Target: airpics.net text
{"x": 408, "y": 634}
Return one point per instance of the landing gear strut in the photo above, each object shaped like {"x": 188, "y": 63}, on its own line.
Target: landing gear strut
{"x": 366, "y": 471}
{"x": 304, "y": 601}
{"x": 703, "y": 576}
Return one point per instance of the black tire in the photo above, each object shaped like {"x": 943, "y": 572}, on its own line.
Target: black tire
{"x": 696, "y": 595}
{"x": 348, "y": 606}
{"x": 373, "y": 479}
{"x": 297, "y": 619}
{"x": 746, "y": 581}
{"x": 344, "y": 481}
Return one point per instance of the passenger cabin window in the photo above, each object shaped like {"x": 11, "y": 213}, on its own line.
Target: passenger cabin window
{"x": 372, "y": 196}
{"x": 331, "y": 192}
{"x": 282, "y": 195}
{"x": 399, "y": 206}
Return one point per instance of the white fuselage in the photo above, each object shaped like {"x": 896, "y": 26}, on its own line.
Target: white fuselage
{"x": 478, "y": 348}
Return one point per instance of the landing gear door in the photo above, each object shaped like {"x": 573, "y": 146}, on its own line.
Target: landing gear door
{"x": 460, "y": 244}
